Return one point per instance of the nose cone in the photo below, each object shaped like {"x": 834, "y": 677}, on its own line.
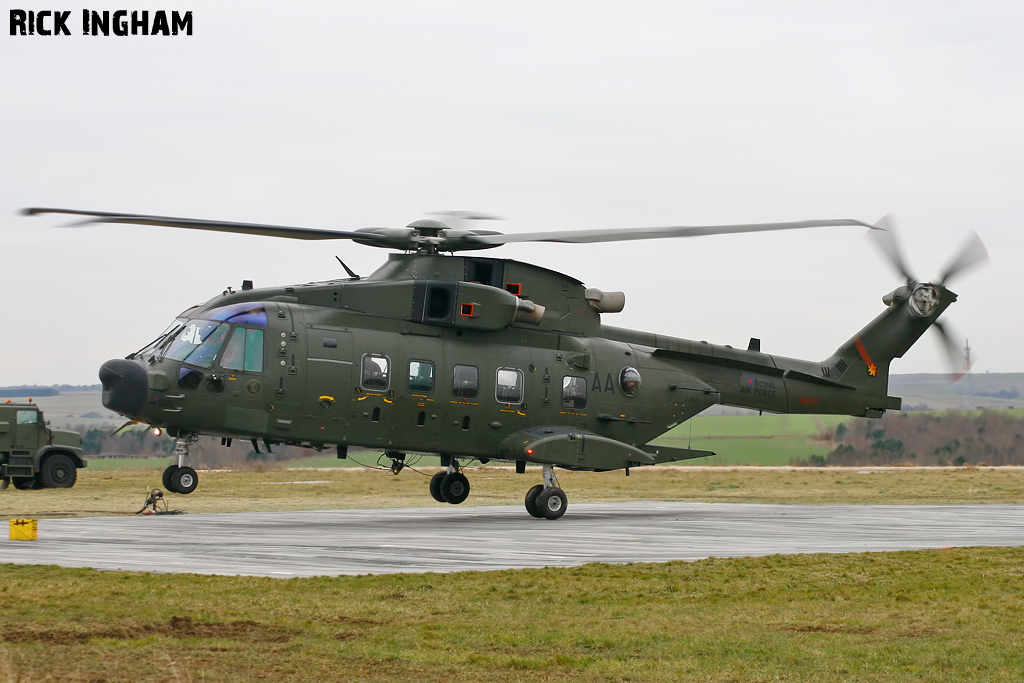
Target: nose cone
{"x": 124, "y": 386}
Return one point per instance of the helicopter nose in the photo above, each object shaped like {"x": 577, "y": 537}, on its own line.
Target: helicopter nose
{"x": 124, "y": 386}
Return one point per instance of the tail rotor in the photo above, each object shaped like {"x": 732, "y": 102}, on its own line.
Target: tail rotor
{"x": 923, "y": 297}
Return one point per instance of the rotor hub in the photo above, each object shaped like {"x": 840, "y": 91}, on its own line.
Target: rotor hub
{"x": 924, "y": 300}
{"x": 428, "y": 227}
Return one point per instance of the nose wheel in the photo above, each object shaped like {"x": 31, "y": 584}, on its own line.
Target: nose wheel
{"x": 181, "y": 478}
{"x": 547, "y": 501}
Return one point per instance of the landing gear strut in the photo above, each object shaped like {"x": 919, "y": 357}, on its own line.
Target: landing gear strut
{"x": 450, "y": 485}
{"x": 181, "y": 478}
{"x": 547, "y": 501}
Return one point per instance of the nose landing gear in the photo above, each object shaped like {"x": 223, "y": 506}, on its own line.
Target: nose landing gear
{"x": 181, "y": 478}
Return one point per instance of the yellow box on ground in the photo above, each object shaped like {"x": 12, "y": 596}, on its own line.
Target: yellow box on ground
{"x": 24, "y": 530}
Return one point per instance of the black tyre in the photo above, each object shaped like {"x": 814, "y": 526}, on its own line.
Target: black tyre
{"x": 58, "y": 472}
{"x": 531, "y": 501}
{"x": 455, "y": 488}
{"x": 24, "y": 483}
{"x": 552, "y": 503}
{"x": 184, "y": 480}
{"x": 168, "y": 478}
{"x": 435, "y": 487}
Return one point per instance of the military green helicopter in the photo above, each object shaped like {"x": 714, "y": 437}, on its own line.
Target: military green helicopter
{"x": 478, "y": 359}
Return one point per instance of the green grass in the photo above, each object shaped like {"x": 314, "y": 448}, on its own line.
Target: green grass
{"x": 938, "y": 615}
{"x": 767, "y": 425}
{"x": 780, "y": 450}
{"x": 753, "y": 439}
{"x": 121, "y": 464}
{"x": 123, "y": 492}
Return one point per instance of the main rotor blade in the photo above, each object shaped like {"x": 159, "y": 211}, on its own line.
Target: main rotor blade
{"x": 217, "y": 226}
{"x": 884, "y": 237}
{"x": 972, "y": 254}
{"x": 622, "y": 235}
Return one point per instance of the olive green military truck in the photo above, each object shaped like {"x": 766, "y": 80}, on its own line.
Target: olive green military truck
{"x": 33, "y": 456}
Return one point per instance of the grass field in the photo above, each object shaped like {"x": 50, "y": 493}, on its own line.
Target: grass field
{"x": 938, "y": 615}
{"x": 123, "y": 492}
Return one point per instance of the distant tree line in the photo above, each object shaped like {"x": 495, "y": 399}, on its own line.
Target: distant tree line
{"x": 34, "y": 390}
{"x": 988, "y": 437}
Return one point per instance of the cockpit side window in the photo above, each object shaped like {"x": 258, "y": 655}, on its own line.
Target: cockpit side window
{"x": 244, "y": 351}
{"x": 199, "y": 342}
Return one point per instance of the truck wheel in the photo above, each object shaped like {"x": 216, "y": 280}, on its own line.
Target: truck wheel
{"x": 167, "y": 478}
{"x": 184, "y": 480}
{"x": 24, "y": 483}
{"x": 58, "y": 472}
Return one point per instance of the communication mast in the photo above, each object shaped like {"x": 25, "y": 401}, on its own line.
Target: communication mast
{"x": 968, "y": 387}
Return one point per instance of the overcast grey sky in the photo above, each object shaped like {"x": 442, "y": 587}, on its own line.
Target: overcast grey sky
{"x": 555, "y": 115}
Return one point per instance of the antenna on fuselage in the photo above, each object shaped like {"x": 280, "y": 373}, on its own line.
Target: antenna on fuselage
{"x": 347, "y": 269}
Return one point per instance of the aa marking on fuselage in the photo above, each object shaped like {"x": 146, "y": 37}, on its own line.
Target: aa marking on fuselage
{"x": 608, "y": 386}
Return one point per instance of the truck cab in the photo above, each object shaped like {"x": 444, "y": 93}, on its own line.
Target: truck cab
{"x": 33, "y": 456}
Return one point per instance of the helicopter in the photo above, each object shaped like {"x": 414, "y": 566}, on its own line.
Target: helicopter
{"x": 443, "y": 352}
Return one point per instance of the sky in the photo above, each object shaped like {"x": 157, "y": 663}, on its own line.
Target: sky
{"x": 553, "y": 115}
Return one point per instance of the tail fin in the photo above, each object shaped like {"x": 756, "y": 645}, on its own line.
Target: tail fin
{"x": 863, "y": 361}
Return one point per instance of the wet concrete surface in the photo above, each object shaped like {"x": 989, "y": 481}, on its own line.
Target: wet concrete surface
{"x": 334, "y": 542}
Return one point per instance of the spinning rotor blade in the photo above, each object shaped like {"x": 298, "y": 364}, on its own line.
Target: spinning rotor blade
{"x": 953, "y": 347}
{"x": 972, "y": 253}
{"x": 218, "y": 226}
{"x": 627, "y": 234}
{"x": 884, "y": 236}
{"x": 437, "y": 237}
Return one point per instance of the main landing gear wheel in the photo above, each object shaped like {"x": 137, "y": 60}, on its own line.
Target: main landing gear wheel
{"x": 184, "y": 480}
{"x": 455, "y": 488}
{"x": 531, "y": 500}
{"x": 167, "y": 478}
{"x": 435, "y": 487}
{"x": 58, "y": 472}
{"x": 552, "y": 503}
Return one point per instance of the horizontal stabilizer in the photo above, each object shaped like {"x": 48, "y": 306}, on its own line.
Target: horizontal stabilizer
{"x": 672, "y": 454}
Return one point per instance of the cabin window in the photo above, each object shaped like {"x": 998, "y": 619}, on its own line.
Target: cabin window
{"x": 199, "y": 342}
{"x": 465, "y": 381}
{"x": 629, "y": 381}
{"x": 574, "y": 393}
{"x": 28, "y": 417}
{"x": 509, "y": 386}
{"x": 244, "y": 351}
{"x": 421, "y": 376}
{"x": 376, "y": 370}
